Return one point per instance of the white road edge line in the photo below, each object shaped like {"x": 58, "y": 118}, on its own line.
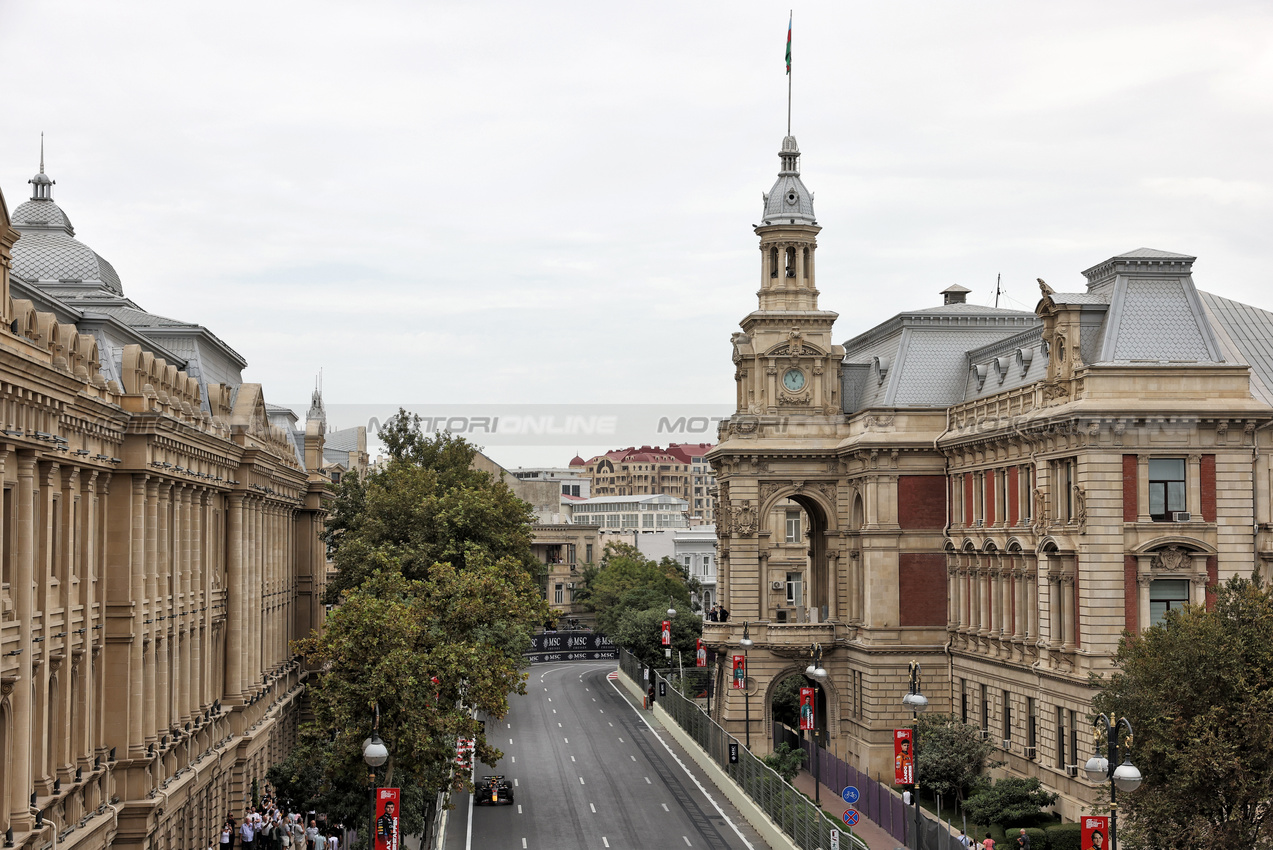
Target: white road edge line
{"x": 692, "y": 777}
{"x": 468, "y": 836}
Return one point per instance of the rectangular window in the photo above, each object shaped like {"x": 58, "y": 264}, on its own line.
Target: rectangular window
{"x": 7, "y": 542}
{"x": 793, "y": 526}
{"x": 1006, "y": 498}
{"x": 1166, "y": 487}
{"x": 1063, "y": 473}
{"x": 795, "y": 589}
{"x": 557, "y": 594}
{"x": 963, "y": 700}
{"x": 985, "y": 709}
{"x": 1007, "y": 716}
{"x": 1026, "y": 494}
{"x": 1031, "y": 724}
{"x": 1166, "y": 594}
{"x": 1060, "y": 737}
{"x": 588, "y": 549}
{"x": 707, "y": 566}
{"x": 1074, "y": 737}
{"x": 979, "y": 497}
{"x": 647, "y": 520}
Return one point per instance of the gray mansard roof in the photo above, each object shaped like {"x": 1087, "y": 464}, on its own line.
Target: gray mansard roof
{"x": 1140, "y": 309}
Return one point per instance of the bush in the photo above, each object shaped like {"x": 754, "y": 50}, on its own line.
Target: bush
{"x": 1065, "y": 836}
{"x": 785, "y": 761}
{"x": 1010, "y": 800}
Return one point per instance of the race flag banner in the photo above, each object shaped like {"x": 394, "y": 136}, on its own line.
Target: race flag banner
{"x": 667, "y": 632}
{"x": 740, "y": 671}
{"x": 903, "y": 758}
{"x": 806, "y": 709}
{"x": 1092, "y": 827}
{"x": 700, "y": 654}
{"x": 388, "y": 804}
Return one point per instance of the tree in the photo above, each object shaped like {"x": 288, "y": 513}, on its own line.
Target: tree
{"x": 950, "y": 755}
{"x": 1198, "y": 691}
{"x": 626, "y": 580}
{"x": 785, "y": 761}
{"x": 427, "y": 505}
{"x": 640, "y": 632}
{"x": 1011, "y": 800}
{"x": 786, "y": 700}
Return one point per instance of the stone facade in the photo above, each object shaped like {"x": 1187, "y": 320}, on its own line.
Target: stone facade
{"x": 995, "y": 494}
{"x": 159, "y": 548}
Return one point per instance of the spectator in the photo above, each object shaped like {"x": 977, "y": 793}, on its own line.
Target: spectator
{"x": 247, "y": 835}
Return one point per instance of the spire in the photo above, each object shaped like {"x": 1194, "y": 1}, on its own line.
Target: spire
{"x": 41, "y": 185}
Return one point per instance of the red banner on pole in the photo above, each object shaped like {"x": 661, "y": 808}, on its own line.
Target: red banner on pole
{"x": 667, "y": 632}
{"x": 903, "y": 757}
{"x": 806, "y": 709}
{"x": 1095, "y": 832}
{"x": 740, "y": 671}
{"x": 388, "y": 807}
{"x": 700, "y": 654}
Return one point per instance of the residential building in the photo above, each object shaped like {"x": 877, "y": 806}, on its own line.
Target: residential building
{"x": 996, "y": 494}
{"x": 702, "y": 496}
{"x": 571, "y": 481}
{"x": 695, "y": 548}
{"x": 631, "y": 513}
{"x": 159, "y": 525}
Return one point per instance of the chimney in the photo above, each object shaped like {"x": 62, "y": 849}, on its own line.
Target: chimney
{"x": 955, "y": 294}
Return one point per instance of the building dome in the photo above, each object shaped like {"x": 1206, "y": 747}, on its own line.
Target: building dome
{"x": 789, "y": 202}
{"x": 47, "y": 251}
{"x": 578, "y": 461}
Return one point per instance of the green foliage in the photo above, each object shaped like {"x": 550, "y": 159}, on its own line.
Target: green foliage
{"x": 786, "y": 700}
{"x": 427, "y": 505}
{"x": 950, "y": 755}
{"x": 640, "y": 631}
{"x": 1198, "y": 690}
{"x": 1009, "y": 801}
{"x": 1065, "y": 836}
{"x": 785, "y": 761}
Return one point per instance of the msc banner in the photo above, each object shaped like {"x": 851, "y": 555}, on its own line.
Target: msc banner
{"x": 571, "y": 646}
{"x": 387, "y": 805}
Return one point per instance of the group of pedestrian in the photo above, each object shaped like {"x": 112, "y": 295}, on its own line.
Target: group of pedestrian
{"x": 1022, "y": 842}
{"x": 718, "y": 614}
{"x": 270, "y": 828}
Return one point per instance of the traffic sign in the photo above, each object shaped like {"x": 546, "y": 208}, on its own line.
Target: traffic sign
{"x": 835, "y": 839}
{"x": 850, "y": 794}
{"x": 851, "y": 817}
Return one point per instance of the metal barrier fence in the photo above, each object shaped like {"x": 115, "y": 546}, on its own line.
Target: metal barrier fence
{"x": 794, "y": 813}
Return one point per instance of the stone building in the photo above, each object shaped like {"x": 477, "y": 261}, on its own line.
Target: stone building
{"x": 159, "y": 549}
{"x": 996, "y": 494}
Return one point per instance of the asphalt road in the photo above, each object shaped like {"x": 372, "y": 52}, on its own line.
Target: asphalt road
{"x": 590, "y": 773}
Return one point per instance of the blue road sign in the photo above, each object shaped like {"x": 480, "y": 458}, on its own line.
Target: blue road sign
{"x": 850, "y": 794}
{"x": 851, "y": 817}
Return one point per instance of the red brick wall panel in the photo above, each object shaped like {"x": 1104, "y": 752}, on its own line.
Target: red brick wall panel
{"x": 921, "y": 501}
{"x": 1131, "y": 595}
{"x": 1208, "y": 488}
{"x": 922, "y": 593}
{"x": 1129, "y": 488}
{"x": 991, "y": 496}
{"x": 1014, "y": 496}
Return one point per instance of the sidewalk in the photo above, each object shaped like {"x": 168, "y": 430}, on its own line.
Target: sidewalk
{"x": 873, "y": 834}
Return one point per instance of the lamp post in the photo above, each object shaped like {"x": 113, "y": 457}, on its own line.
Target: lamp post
{"x": 916, "y": 702}
{"x": 746, "y": 643}
{"x": 1124, "y": 777}
{"x": 816, "y": 672}
{"x": 374, "y": 753}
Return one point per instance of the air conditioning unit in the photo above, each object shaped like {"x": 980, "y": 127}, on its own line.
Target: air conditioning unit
{"x": 1181, "y": 516}
{"x": 985, "y": 734}
{"x": 1072, "y": 769}
{"x": 776, "y": 584}
{"x": 1029, "y": 752}
{"x": 570, "y": 585}
{"x": 1007, "y": 744}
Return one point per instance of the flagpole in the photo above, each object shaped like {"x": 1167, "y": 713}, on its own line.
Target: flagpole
{"x": 790, "y": 14}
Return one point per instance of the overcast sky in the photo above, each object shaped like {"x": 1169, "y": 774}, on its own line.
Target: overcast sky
{"x": 508, "y": 202}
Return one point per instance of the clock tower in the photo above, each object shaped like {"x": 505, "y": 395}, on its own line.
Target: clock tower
{"x": 785, "y": 360}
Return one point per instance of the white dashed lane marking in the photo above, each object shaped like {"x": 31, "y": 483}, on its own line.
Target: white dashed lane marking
{"x": 594, "y": 808}
{"x": 581, "y": 782}
{"x": 665, "y": 808}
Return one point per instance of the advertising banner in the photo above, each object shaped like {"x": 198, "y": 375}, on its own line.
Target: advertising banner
{"x": 667, "y": 632}
{"x": 1095, "y": 832}
{"x": 388, "y": 804}
{"x": 740, "y": 672}
{"x": 571, "y": 646}
{"x": 903, "y": 757}
{"x": 700, "y": 654}
{"x": 806, "y": 709}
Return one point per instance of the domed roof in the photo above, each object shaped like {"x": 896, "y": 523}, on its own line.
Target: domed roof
{"x": 789, "y": 202}
{"x": 578, "y": 461}
{"x": 47, "y": 250}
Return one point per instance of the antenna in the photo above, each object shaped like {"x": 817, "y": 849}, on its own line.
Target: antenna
{"x": 998, "y": 289}
{"x": 42, "y": 149}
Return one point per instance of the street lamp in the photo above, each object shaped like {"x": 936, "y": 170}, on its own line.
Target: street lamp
{"x": 1125, "y": 777}
{"x": 916, "y": 702}
{"x": 375, "y": 754}
{"x": 818, "y": 673}
{"x": 746, "y": 643}
{"x": 671, "y": 612}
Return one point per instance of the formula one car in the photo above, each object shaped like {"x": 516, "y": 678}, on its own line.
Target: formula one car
{"x": 494, "y": 790}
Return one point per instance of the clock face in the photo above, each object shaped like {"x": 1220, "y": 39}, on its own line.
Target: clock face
{"x": 793, "y": 379}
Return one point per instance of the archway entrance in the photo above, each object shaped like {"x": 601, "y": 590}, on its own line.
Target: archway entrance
{"x": 784, "y": 705}
{"x": 799, "y": 544}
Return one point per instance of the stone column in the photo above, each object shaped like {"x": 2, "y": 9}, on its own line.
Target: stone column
{"x": 1142, "y": 489}
{"x": 152, "y": 609}
{"x": 19, "y": 767}
{"x": 236, "y": 584}
{"x": 1068, "y": 626}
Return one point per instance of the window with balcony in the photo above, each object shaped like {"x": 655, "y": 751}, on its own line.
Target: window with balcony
{"x": 795, "y": 589}
{"x": 1166, "y": 488}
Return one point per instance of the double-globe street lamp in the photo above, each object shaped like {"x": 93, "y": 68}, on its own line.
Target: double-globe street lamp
{"x": 1124, "y": 777}
{"x": 375, "y": 754}
{"x": 746, "y": 643}
{"x": 816, "y": 674}
{"x": 916, "y": 702}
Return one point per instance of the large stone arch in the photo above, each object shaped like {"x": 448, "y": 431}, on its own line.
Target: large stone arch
{"x": 824, "y": 522}
{"x": 826, "y": 718}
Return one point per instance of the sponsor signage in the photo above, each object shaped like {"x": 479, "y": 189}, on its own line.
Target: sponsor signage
{"x": 388, "y": 807}
{"x": 1095, "y": 832}
{"x": 571, "y": 646}
{"x": 806, "y": 709}
{"x": 740, "y": 672}
{"x": 667, "y": 632}
{"x": 700, "y": 654}
{"x": 903, "y": 757}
